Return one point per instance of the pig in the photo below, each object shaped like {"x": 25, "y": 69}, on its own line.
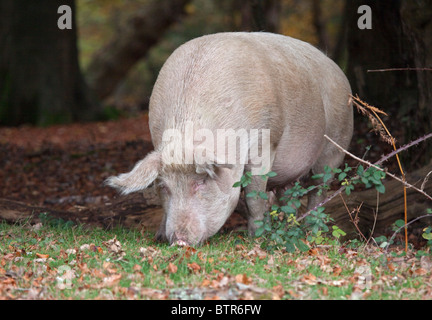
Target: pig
{"x": 271, "y": 94}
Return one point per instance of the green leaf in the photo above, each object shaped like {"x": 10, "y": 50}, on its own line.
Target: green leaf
{"x": 271, "y": 174}
{"x": 327, "y": 177}
{"x": 289, "y": 247}
{"x": 288, "y": 209}
{"x": 348, "y": 189}
{"x": 259, "y": 232}
{"x": 399, "y": 223}
{"x": 317, "y": 176}
{"x": 342, "y": 176}
{"x": 274, "y": 207}
{"x": 337, "y": 232}
{"x": 252, "y": 194}
{"x": 302, "y": 246}
{"x": 381, "y": 239}
{"x": 427, "y": 236}
{"x": 380, "y": 188}
{"x": 263, "y": 195}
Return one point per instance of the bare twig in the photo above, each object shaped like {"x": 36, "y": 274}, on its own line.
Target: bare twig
{"x": 425, "y": 180}
{"x": 400, "y": 69}
{"x": 405, "y": 226}
{"x": 354, "y": 220}
{"x": 403, "y": 148}
{"x": 374, "y": 223}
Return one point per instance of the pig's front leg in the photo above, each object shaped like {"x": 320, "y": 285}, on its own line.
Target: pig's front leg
{"x": 256, "y": 205}
{"x": 161, "y": 233}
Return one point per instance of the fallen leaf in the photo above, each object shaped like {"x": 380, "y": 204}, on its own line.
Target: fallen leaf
{"x": 309, "y": 279}
{"x": 71, "y": 251}
{"x": 115, "y": 248}
{"x": 112, "y": 280}
{"x": 279, "y": 291}
{"x": 324, "y": 291}
{"x": 168, "y": 281}
{"x": 313, "y": 251}
{"x": 83, "y": 247}
{"x": 243, "y": 278}
{"x": 172, "y": 268}
{"x": 420, "y": 272}
{"x": 257, "y": 252}
{"x": 337, "y": 271}
{"x": 42, "y": 256}
{"x": 194, "y": 267}
{"x": 426, "y": 263}
{"x": 391, "y": 267}
{"x": 205, "y": 283}
{"x": 136, "y": 268}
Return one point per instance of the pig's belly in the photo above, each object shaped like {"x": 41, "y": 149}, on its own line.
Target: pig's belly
{"x": 294, "y": 158}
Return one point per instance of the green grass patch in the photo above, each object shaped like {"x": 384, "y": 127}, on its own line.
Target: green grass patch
{"x": 61, "y": 260}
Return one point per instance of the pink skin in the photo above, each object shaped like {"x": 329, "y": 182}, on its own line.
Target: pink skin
{"x": 239, "y": 81}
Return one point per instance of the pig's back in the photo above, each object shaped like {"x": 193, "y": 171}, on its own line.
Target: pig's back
{"x": 252, "y": 81}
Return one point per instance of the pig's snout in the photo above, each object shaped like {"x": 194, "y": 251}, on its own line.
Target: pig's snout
{"x": 179, "y": 240}
{"x": 180, "y": 243}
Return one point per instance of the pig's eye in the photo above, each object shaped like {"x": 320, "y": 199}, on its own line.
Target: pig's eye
{"x": 198, "y": 184}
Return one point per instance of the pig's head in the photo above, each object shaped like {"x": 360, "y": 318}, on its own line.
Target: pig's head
{"x": 197, "y": 198}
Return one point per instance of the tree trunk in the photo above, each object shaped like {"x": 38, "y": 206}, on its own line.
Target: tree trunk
{"x": 319, "y": 25}
{"x": 417, "y": 23}
{"x": 112, "y": 62}
{"x": 400, "y": 38}
{"x": 40, "y": 78}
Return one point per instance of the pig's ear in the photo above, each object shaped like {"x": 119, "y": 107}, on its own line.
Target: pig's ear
{"x": 141, "y": 176}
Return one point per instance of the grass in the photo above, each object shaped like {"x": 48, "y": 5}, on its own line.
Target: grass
{"x": 57, "y": 260}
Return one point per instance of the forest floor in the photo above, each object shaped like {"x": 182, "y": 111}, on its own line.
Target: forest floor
{"x": 63, "y": 167}
{"x": 61, "y": 170}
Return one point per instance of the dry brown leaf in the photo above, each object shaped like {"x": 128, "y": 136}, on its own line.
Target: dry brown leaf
{"x": 115, "y": 248}
{"x": 257, "y": 252}
{"x": 279, "y": 291}
{"x": 309, "y": 279}
{"x": 243, "y": 278}
{"x": 391, "y": 267}
{"x": 136, "y": 268}
{"x": 194, "y": 267}
{"x": 168, "y": 281}
{"x": 42, "y": 256}
{"x": 420, "y": 272}
{"x": 313, "y": 251}
{"x": 337, "y": 271}
{"x": 112, "y": 280}
{"x": 205, "y": 283}
{"x": 172, "y": 268}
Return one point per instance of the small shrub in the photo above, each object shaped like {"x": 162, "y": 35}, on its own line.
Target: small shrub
{"x": 280, "y": 228}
